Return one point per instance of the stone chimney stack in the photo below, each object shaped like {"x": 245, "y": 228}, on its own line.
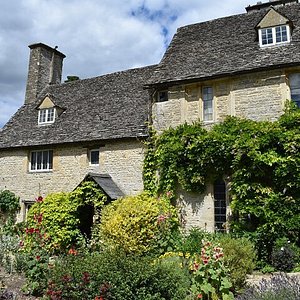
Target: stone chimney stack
{"x": 45, "y": 68}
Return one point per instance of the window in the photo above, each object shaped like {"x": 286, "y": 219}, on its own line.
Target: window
{"x": 41, "y": 160}
{"x": 94, "y": 157}
{"x": 46, "y": 116}
{"x": 207, "y": 96}
{"x": 295, "y": 88}
{"x": 274, "y": 35}
{"x": 162, "y": 96}
{"x": 220, "y": 205}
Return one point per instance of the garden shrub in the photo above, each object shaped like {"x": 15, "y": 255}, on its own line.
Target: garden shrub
{"x": 137, "y": 224}
{"x": 210, "y": 277}
{"x": 54, "y": 217}
{"x": 283, "y": 259}
{"x": 9, "y": 205}
{"x": 191, "y": 242}
{"x": 116, "y": 275}
{"x": 279, "y": 287}
{"x": 239, "y": 258}
{"x": 261, "y": 158}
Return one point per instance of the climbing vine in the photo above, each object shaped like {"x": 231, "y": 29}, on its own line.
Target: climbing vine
{"x": 262, "y": 160}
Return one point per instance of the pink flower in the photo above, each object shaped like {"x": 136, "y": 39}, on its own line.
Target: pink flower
{"x": 161, "y": 219}
{"x": 199, "y": 296}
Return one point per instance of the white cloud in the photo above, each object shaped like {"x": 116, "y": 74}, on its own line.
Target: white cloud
{"x": 97, "y": 36}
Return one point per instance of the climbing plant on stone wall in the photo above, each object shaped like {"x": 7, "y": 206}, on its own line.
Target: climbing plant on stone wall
{"x": 262, "y": 160}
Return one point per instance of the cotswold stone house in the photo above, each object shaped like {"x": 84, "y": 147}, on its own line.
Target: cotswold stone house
{"x": 245, "y": 65}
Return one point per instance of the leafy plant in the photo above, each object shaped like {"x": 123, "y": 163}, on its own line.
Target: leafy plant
{"x": 57, "y": 216}
{"x": 260, "y": 158}
{"x": 116, "y": 275}
{"x": 239, "y": 258}
{"x": 137, "y": 224}
{"x": 9, "y": 205}
{"x": 210, "y": 278}
{"x": 283, "y": 259}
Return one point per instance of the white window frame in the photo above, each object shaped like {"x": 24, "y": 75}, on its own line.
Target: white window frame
{"x": 39, "y": 163}
{"x": 273, "y": 32}
{"x": 46, "y": 116}
{"x": 90, "y": 157}
{"x": 205, "y": 101}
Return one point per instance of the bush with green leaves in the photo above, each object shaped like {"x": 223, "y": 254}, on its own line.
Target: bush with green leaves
{"x": 55, "y": 217}
{"x": 261, "y": 158}
{"x": 58, "y": 216}
{"x": 239, "y": 258}
{"x": 9, "y": 205}
{"x": 116, "y": 275}
{"x": 137, "y": 224}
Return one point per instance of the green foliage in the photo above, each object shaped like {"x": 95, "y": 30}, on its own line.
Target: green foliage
{"x": 88, "y": 192}
{"x": 9, "y": 205}
{"x": 136, "y": 224}
{"x": 115, "y": 275}
{"x": 283, "y": 259}
{"x": 9, "y": 202}
{"x": 239, "y": 258}
{"x": 262, "y": 160}
{"x": 210, "y": 278}
{"x": 56, "y": 217}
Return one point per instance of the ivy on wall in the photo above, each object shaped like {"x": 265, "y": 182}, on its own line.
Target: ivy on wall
{"x": 262, "y": 160}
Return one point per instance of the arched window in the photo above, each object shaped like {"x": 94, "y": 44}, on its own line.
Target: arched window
{"x": 220, "y": 205}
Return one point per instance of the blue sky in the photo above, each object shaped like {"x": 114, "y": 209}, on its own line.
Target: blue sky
{"x": 97, "y": 37}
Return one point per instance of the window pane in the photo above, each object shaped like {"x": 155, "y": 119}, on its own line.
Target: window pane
{"x": 33, "y": 161}
{"x": 38, "y": 160}
{"x": 94, "y": 157}
{"x": 220, "y": 205}
{"x": 162, "y": 96}
{"x": 45, "y": 160}
{"x": 42, "y": 116}
{"x": 266, "y": 36}
{"x": 50, "y": 159}
{"x": 281, "y": 34}
{"x": 50, "y": 116}
{"x": 295, "y": 88}
{"x": 207, "y": 103}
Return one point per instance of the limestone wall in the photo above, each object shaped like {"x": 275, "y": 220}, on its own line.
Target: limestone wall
{"x": 258, "y": 96}
{"x": 121, "y": 160}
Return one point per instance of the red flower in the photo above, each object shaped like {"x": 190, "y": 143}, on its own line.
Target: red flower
{"x": 39, "y": 199}
{"x": 86, "y": 277}
{"x": 29, "y": 230}
{"x": 38, "y": 257}
{"x": 199, "y": 296}
{"x": 72, "y": 251}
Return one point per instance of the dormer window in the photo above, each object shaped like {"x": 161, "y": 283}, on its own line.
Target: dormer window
{"x": 274, "y": 35}
{"x": 46, "y": 116}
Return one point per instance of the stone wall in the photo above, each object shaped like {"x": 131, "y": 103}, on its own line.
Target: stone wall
{"x": 258, "y": 96}
{"x": 122, "y": 160}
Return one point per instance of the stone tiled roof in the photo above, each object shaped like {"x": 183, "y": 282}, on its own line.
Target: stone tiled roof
{"x": 107, "y": 185}
{"x": 107, "y": 107}
{"x": 226, "y": 46}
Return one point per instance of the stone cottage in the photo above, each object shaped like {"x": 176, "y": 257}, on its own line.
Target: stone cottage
{"x": 244, "y": 65}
